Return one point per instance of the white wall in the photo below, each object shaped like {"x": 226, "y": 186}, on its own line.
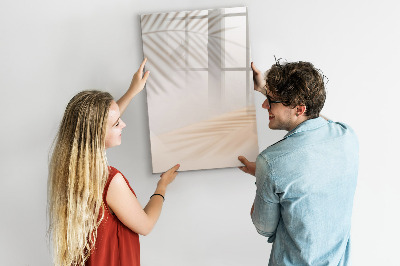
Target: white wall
{"x": 49, "y": 50}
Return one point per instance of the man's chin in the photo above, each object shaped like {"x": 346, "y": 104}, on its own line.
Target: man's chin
{"x": 271, "y": 125}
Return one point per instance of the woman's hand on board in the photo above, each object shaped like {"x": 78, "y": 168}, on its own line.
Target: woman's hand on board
{"x": 127, "y": 208}
{"x": 138, "y": 79}
{"x": 137, "y": 85}
{"x": 168, "y": 176}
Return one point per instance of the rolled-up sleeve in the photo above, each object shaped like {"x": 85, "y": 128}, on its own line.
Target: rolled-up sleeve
{"x": 266, "y": 212}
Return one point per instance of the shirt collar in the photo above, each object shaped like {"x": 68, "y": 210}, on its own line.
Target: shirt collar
{"x": 307, "y": 125}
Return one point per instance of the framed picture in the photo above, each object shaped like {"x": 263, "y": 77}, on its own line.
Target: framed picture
{"x": 199, "y": 93}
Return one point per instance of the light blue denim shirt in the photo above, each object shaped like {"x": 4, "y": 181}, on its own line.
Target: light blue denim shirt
{"x": 305, "y": 189}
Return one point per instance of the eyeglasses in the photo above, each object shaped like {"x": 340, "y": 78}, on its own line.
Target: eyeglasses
{"x": 263, "y": 90}
{"x": 270, "y": 101}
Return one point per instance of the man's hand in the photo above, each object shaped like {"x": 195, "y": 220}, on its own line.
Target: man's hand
{"x": 249, "y": 167}
{"x": 258, "y": 79}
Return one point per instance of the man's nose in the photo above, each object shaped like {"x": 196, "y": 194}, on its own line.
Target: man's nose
{"x": 265, "y": 104}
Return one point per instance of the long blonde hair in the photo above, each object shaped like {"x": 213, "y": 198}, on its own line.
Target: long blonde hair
{"x": 78, "y": 171}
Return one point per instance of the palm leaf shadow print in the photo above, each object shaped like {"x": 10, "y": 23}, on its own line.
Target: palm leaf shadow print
{"x": 200, "y": 115}
{"x": 182, "y": 41}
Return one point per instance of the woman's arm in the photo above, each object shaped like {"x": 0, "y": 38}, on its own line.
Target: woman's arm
{"x": 125, "y": 205}
{"x": 137, "y": 85}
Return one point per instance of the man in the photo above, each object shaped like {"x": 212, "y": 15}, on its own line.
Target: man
{"x": 305, "y": 182}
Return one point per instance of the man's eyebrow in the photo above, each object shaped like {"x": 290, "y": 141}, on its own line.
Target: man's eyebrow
{"x": 116, "y": 121}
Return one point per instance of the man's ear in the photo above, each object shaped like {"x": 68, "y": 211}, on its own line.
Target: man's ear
{"x": 300, "y": 110}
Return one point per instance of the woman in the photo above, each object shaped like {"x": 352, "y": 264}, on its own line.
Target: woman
{"x": 95, "y": 217}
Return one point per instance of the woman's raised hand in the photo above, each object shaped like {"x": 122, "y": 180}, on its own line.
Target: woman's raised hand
{"x": 137, "y": 85}
{"x": 138, "y": 79}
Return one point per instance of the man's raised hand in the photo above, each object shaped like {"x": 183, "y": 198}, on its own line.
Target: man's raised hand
{"x": 258, "y": 79}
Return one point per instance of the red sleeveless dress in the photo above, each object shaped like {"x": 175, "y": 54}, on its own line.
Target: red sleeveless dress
{"x": 116, "y": 244}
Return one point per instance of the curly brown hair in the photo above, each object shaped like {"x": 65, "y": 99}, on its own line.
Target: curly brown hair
{"x": 298, "y": 83}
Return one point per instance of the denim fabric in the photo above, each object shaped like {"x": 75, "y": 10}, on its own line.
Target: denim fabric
{"x": 305, "y": 189}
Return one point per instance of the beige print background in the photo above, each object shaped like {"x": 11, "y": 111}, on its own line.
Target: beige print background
{"x": 200, "y": 102}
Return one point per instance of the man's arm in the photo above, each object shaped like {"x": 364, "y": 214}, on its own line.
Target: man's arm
{"x": 265, "y": 212}
{"x": 265, "y": 217}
